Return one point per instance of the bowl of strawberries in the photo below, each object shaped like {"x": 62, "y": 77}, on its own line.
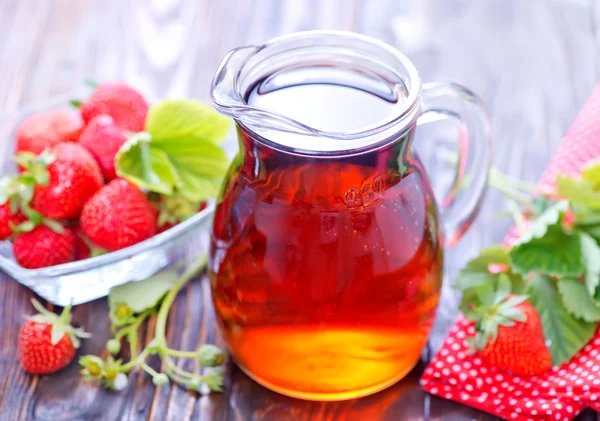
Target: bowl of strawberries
{"x": 106, "y": 190}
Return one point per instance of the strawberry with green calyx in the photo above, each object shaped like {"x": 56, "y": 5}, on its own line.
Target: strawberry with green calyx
{"x": 509, "y": 334}
{"x": 8, "y": 220}
{"x": 48, "y": 342}
{"x": 43, "y": 131}
{"x": 124, "y": 104}
{"x": 554, "y": 258}
{"x": 66, "y": 177}
{"x": 16, "y": 214}
{"x": 130, "y": 306}
{"x": 13, "y": 195}
{"x": 42, "y": 246}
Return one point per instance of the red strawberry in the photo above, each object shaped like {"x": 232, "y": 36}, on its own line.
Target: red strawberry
{"x": 103, "y": 139}
{"x": 510, "y": 336}
{"x": 42, "y": 247}
{"x": 125, "y": 105}
{"x": 66, "y": 183}
{"x": 47, "y": 342}
{"x": 82, "y": 249}
{"x": 14, "y": 198}
{"x": 7, "y": 217}
{"x": 119, "y": 215}
{"x": 45, "y": 130}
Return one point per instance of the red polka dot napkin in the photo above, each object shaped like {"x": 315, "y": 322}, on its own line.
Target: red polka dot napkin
{"x": 564, "y": 391}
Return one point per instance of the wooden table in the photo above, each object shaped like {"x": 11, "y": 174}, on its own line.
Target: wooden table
{"x": 533, "y": 62}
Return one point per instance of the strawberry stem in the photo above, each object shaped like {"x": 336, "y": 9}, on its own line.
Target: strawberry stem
{"x": 506, "y": 186}
{"x": 163, "y": 313}
{"x": 158, "y": 345}
{"x": 172, "y": 366}
{"x": 148, "y": 369}
{"x": 517, "y": 215}
{"x": 180, "y": 354}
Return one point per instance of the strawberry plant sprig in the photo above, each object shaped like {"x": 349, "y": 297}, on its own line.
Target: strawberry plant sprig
{"x": 178, "y": 151}
{"x": 130, "y": 306}
{"x": 554, "y": 266}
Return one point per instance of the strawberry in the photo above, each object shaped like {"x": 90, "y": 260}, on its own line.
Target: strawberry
{"x": 103, "y": 139}
{"x": 8, "y": 218}
{"x": 45, "y": 130}
{"x": 125, "y": 105}
{"x": 119, "y": 215}
{"x": 66, "y": 179}
{"x": 42, "y": 247}
{"x": 47, "y": 342}
{"x": 510, "y": 335}
{"x": 82, "y": 249}
{"x": 15, "y": 195}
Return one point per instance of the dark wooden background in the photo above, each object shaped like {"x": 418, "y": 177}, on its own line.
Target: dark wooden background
{"x": 534, "y": 62}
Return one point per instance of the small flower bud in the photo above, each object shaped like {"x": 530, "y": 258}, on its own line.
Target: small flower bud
{"x": 214, "y": 379}
{"x": 160, "y": 379}
{"x": 120, "y": 382}
{"x": 210, "y": 355}
{"x": 113, "y": 346}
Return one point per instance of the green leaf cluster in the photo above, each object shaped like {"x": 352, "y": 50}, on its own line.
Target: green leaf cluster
{"x": 178, "y": 152}
{"x": 555, "y": 263}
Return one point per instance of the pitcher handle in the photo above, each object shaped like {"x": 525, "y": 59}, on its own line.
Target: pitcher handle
{"x": 460, "y": 206}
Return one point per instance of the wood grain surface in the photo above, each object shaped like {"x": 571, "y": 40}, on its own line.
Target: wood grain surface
{"x": 533, "y": 62}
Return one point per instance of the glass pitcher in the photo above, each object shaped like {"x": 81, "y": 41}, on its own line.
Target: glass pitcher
{"x": 327, "y": 252}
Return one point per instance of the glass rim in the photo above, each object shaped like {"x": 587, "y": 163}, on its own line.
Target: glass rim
{"x": 227, "y": 92}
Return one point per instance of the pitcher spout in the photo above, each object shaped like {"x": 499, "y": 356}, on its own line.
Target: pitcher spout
{"x": 224, "y": 94}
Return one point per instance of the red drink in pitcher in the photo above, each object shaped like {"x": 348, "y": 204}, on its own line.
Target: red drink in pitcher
{"x": 326, "y": 253}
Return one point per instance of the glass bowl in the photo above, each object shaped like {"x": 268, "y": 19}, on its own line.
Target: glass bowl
{"x": 88, "y": 279}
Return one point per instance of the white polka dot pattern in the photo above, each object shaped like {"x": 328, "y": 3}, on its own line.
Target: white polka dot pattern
{"x": 561, "y": 393}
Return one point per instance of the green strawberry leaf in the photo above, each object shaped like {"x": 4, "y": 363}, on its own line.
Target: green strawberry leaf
{"x": 178, "y": 152}
{"x": 587, "y": 220}
{"x": 200, "y": 166}
{"x": 539, "y": 225}
{"x": 145, "y": 166}
{"x": 565, "y": 334}
{"x": 577, "y": 301}
{"x": 540, "y": 204}
{"x": 556, "y": 253}
{"x": 141, "y": 295}
{"x": 55, "y": 226}
{"x": 186, "y": 120}
{"x": 591, "y": 258}
{"x": 477, "y": 271}
{"x": 577, "y": 191}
